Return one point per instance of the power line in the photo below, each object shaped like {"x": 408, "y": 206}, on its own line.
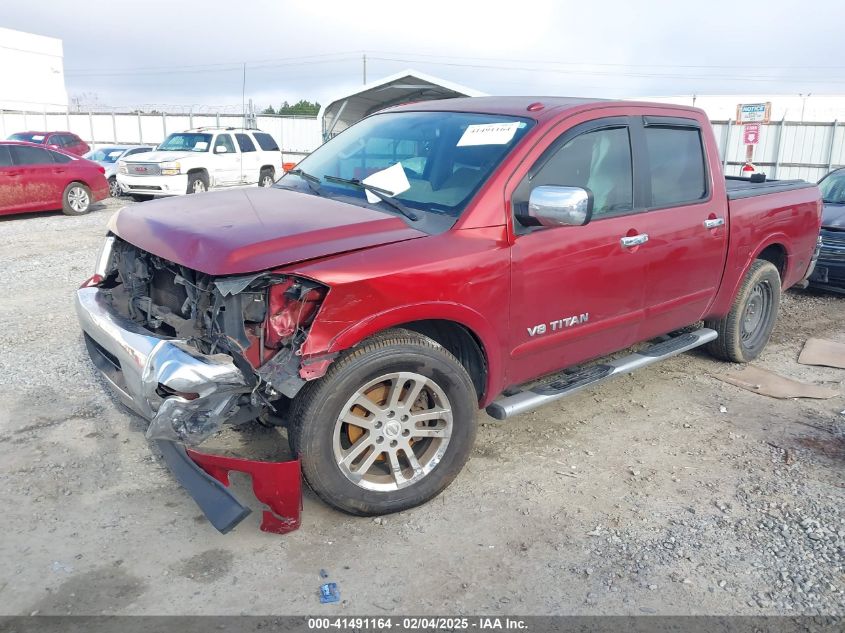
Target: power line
{"x": 542, "y": 66}
{"x": 617, "y": 74}
{"x": 265, "y": 63}
{"x": 607, "y": 64}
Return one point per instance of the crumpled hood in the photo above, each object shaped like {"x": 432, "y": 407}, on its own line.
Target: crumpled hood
{"x": 158, "y": 157}
{"x": 253, "y": 229}
{"x": 833, "y": 216}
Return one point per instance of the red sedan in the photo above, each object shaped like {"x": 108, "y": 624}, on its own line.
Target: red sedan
{"x": 64, "y": 141}
{"x": 34, "y": 178}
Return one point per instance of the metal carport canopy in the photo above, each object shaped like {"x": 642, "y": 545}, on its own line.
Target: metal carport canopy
{"x": 403, "y": 87}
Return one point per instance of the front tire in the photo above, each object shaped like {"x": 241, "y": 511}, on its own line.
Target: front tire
{"x": 197, "y": 183}
{"x": 746, "y": 329}
{"x": 76, "y": 199}
{"x": 388, "y": 427}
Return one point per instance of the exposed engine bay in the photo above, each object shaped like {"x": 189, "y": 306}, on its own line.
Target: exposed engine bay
{"x": 259, "y": 321}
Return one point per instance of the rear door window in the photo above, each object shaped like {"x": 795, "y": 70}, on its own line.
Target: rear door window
{"x": 26, "y": 155}
{"x": 676, "y": 165}
{"x": 60, "y": 158}
{"x": 245, "y": 143}
{"x": 266, "y": 142}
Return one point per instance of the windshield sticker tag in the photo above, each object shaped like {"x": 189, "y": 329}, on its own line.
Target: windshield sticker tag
{"x": 392, "y": 179}
{"x": 37, "y": 137}
{"x": 200, "y": 146}
{"x": 488, "y": 134}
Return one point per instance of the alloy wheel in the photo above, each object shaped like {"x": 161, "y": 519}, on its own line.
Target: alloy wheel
{"x": 78, "y": 199}
{"x": 392, "y": 432}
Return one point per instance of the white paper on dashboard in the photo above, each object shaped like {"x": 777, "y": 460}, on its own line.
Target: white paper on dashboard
{"x": 489, "y": 134}
{"x": 392, "y": 179}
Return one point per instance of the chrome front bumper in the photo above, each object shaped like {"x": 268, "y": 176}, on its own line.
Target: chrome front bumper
{"x": 186, "y": 395}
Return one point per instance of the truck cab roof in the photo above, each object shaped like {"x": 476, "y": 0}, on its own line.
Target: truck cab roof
{"x": 535, "y": 107}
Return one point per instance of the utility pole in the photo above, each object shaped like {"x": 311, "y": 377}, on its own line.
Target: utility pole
{"x": 364, "y": 59}
{"x": 804, "y": 103}
{"x": 243, "y": 95}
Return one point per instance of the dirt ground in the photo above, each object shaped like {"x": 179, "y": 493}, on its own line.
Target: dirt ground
{"x": 665, "y": 492}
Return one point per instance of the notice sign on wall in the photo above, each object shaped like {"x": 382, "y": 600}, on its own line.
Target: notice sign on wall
{"x": 753, "y": 112}
{"x": 751, "y": 134}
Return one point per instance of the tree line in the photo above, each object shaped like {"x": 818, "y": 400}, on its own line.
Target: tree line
{"x": 303, "y": 107}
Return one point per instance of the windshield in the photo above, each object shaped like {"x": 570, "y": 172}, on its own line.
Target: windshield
{"x": 105, "y": 154}
{"x": 833, "y": 187}
{"x": 186, "y": 142}
{"x": 428, "y": 161}
{"x": 25, "y": 136}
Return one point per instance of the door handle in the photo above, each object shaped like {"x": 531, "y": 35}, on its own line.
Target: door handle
{"x": 714, "y": 223}
{"x": 634, "y": 240}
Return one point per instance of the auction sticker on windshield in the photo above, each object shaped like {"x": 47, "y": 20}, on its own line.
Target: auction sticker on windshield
{"x": 489, "y": 134}
{"x": 393, "y": 179}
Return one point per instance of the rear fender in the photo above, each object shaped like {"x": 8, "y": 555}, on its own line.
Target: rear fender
{"x": 739, "y": 261}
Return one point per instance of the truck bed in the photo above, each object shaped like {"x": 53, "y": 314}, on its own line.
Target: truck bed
{"x": 739, "y": 187}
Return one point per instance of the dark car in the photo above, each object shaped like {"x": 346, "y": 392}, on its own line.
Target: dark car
{"x": 830, "y": 269}
{"x": 65, "y": 141}
{"x": 34, "y": 178}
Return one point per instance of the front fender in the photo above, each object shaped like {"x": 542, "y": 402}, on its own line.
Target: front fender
{"x": 477, "y": 324}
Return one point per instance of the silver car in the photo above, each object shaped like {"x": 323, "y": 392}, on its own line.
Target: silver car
{"x": 108, "y": 155}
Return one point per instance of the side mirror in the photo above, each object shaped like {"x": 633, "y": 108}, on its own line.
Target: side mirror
{"x": 559, "y": 206}
{"x": 220, "y": 149}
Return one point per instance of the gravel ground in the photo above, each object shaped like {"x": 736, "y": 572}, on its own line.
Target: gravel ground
{"x": 665, "y": 492}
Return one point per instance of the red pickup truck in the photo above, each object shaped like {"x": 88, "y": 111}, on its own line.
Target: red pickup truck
{"x": 436, "y": 258}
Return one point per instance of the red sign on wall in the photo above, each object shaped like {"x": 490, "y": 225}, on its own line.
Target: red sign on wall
{"x": 750, "y": 134}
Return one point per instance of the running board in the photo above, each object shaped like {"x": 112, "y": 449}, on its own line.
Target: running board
{"x": 569, "y": 384}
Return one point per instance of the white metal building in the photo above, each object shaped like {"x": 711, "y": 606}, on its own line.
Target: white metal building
{"x": 32, "y": 75}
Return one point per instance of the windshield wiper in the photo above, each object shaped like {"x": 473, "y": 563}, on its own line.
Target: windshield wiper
{"x": 382, "y": 194}
{"x": 312, "y": 181}
{"x": 833, "y": 201}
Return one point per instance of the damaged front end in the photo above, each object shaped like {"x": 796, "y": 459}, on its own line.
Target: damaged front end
{"x": 190, "y": 352}
{"x": 216, "y": 350}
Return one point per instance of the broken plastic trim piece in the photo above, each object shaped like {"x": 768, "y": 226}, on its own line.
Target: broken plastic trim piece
{"x": 219, "y": 505}
{"x": 277, "y": 485}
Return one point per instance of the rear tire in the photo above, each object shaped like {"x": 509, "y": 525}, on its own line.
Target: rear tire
{"x": 417, "y": 397}
{"x": 197, "y": 183}
{"x": 746, "y": 329}
{"x": 76, "y": 199}
{"x": 266, "y": 178}
{"x": 114, "y": 188}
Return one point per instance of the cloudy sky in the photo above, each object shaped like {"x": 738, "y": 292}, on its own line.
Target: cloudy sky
{"x": 191, "y": 52}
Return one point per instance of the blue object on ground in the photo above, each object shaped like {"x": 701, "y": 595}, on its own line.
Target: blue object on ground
{"x": 329, "y": 593}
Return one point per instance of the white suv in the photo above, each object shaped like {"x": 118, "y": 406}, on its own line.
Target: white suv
{"x": 199, "y": 160}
